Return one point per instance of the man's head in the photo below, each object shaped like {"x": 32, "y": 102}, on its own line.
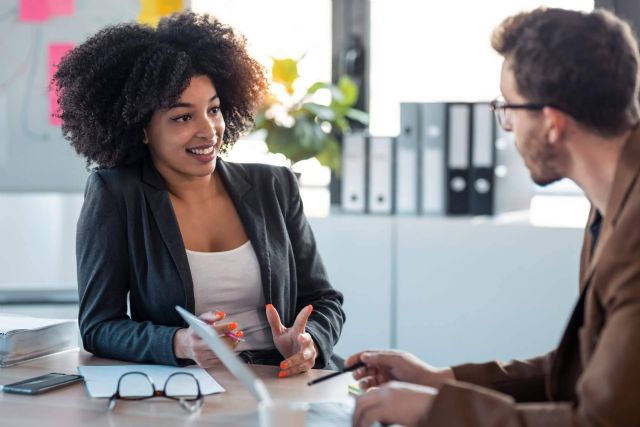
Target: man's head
{"x": 573, "y": 72}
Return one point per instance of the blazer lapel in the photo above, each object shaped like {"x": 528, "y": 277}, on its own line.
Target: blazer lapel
{"x": 162, "y": 210}
{"x": 253, "y": 218}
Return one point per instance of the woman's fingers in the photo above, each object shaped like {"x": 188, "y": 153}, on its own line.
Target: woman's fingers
{"x": 300, "y": 323}
{"x": 277, "y": 328}
{"x": 212, "y": 316}
{"x": 302, "y": 361}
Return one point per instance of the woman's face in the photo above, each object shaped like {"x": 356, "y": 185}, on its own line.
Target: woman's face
{"x": 185, "y": 138}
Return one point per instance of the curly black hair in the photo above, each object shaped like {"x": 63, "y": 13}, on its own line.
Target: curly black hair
{"x": 110, "y": 85}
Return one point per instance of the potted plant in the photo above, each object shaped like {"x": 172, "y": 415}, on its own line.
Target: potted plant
{"x": 302, "y": 127}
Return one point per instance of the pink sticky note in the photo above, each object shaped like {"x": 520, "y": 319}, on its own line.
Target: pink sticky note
{"x": 34, "y": 10}
{"x": 61, "y": 7}
{"x": 56, "y": 52}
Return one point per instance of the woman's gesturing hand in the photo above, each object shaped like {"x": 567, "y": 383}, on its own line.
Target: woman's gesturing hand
{"x": 293, "y": 343}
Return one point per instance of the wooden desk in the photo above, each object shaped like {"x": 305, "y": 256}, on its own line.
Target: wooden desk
{"x": 72, "y": 406}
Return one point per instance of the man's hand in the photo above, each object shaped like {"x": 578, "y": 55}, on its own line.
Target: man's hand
{"x": 383, "y": 366}
{"x": 393, "y": 403}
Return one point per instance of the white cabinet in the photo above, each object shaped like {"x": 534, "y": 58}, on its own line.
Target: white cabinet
{"x": 451, "y": 290}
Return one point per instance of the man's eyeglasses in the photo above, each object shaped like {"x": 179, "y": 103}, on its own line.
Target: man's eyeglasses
{"x": 180, "y": 386}
{"x": 499, "y": 106}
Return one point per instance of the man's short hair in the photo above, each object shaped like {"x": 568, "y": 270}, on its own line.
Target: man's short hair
{"x": 584, "y": 63}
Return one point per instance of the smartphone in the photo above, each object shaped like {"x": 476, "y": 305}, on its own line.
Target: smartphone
{"x": 42, "y": 383}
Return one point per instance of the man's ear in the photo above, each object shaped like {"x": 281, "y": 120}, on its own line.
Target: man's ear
{"x": 555, "y": 124}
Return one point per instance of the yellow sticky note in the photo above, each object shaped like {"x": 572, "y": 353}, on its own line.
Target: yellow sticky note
{"x": 151, "y": 11}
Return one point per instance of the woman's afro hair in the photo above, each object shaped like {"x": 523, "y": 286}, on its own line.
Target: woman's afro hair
{"x": 110, "y": 85}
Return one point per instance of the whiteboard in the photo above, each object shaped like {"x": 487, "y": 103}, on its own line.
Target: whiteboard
{"x": 34, "y": 157}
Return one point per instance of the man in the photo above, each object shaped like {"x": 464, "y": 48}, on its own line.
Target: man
{"x": 570, "y": 87}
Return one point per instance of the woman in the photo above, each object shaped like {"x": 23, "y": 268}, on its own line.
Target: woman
{"x": 166, "y": 222}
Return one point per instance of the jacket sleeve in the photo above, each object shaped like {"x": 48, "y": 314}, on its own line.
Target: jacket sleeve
{"x": 523, "y": 380}
{"x": 461, "y": 404}
{"x": 103, "y": 286}
{"x": 325, "y": 323}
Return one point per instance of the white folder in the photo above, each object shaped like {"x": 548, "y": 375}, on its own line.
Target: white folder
{"x": 433, "y": 133}
{"x": 354, "y": 164}
{"x": 407, "y": 166}
{"x": 380, "y": 174}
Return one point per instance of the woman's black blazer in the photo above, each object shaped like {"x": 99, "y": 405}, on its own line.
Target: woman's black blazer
{"x": 129, "y": 244}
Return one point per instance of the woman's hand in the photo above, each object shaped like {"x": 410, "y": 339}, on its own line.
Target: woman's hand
{"x": 293, "y": 343}
{"x": 187, "y": 344}
{"x": 393, "y": 403}
{"x": 389, "y": 365}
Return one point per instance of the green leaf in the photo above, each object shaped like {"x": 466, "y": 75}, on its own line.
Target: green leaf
{"x": 317, "y": 86}
{"x": 285, "y": 72}
{"x": 322, "y": 112}
{"x": 358, "y": 115}
{"x": 330, "y": 155}
{"x": 349, "y": 90}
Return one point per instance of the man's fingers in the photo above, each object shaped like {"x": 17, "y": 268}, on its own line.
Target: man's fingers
{"x": 381, "y": 359}
{"x": 300, "y": 323}
{"x": 364, "y": 404}
{"x": 274, "y": 320}
{"x": 353, "y": 359}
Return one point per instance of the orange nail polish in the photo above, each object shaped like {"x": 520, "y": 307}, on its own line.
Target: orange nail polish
{"x": 283, "y": 365}
{"x": 219, "y": 314}
{"x": 240, "y": 333}
{"x": 233, "y": 325}
{"x": 282, "y": 374}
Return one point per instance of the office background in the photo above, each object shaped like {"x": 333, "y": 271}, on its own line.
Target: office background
{"x": 448, "y": 289}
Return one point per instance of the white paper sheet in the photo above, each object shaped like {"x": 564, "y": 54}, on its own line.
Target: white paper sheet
{"x": 101, "y": 381}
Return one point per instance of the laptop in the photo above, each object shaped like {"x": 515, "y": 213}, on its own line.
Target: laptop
{"x": 319, "y": 414}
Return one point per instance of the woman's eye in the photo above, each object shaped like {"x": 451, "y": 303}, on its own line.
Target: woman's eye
{"x": 181, "y": 119}
{"x": 215, "y": 110}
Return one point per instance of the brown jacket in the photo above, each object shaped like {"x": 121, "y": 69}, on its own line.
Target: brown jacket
{"x": 593, "y": 377}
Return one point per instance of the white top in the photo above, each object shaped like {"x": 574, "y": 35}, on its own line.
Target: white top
{"x": 230, "y": 281}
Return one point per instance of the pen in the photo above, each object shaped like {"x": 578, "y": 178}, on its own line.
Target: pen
{"x": 353, "y": 367}
{"x": 236, "y": 336}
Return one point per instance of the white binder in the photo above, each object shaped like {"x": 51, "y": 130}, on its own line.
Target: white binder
{"x": 407, "y": 166}
{"x": 354, "y": 172}
{"x": 380, "y": 175}
{"x": 433, "y": 134}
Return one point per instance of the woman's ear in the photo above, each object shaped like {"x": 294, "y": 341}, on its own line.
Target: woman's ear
{"x": 145, "y": 138}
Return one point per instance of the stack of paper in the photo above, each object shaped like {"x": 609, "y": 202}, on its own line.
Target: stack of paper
{"x": 24, "y": 338}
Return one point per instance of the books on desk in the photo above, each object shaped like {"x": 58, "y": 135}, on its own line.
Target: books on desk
{"x": 23, "y": 338}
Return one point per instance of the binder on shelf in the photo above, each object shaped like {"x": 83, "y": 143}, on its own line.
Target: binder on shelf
{"x": 458, "y": 159}
{"x": 407, "y": 161}
{"x": 481, "y": 189}
{"x": 380, "y": 169}
{"x": 433, "y": 134}
{"x": 354, "y": 172}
